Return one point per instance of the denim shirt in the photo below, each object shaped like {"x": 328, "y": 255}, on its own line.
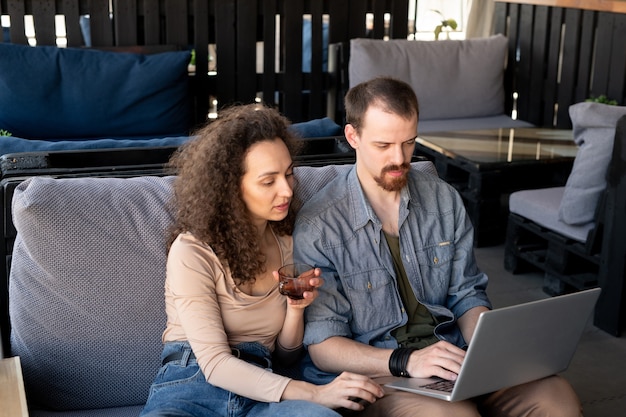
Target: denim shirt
{"x": 338, "y": 231}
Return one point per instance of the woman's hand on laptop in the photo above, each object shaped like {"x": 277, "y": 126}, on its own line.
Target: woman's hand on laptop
{"x": 443, "y": 359}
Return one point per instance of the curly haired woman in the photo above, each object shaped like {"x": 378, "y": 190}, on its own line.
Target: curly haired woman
{"x": 226, "y": 320}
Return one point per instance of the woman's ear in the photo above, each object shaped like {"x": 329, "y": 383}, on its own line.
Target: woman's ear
{"x": 351, "y": 135}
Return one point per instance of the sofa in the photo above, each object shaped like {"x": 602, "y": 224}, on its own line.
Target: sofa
{"x": 59, "y": 99}
{"x": 86, "y": 287}
{"x": 459, "y": 83}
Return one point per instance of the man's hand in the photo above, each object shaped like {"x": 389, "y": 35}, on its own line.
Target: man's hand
{"x": 442, "y": 359}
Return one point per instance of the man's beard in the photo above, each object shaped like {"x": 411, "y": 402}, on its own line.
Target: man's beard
{"x": 393, "y": 183}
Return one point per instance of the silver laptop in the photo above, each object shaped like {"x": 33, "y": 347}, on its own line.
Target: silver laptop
{"x": 514, "y": 345}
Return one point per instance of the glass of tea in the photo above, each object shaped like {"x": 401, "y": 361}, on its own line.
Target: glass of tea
{"x": 294, "y": 280}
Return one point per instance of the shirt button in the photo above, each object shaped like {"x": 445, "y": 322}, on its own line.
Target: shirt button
{"x": 436, "y": 260}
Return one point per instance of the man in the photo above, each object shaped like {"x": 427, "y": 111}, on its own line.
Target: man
{"x": 402, "y": 290}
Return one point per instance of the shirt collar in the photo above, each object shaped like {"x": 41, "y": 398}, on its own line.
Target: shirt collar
{"x": 363, "y": 211}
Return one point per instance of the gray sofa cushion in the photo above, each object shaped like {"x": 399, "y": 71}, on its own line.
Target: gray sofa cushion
{"x": 86, "y": 286}
{"x": 542, "y": 207}
{"x": 470, "y": 123}
{"x": 452, "y": 78}
{"x": 594, "y": 133}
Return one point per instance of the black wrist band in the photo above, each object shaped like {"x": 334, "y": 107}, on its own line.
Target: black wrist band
{"x": 399, "y": 360}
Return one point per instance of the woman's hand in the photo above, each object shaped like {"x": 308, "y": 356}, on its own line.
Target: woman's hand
{"x": 348, "y": 390}
{"x": 315, "y": 281}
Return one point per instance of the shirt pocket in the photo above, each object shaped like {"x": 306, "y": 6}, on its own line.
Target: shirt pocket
{"x": 435, "y": 263}
{"x": 368, "y": 291}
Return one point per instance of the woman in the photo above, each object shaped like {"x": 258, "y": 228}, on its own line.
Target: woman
{"x": 227, "y": 324}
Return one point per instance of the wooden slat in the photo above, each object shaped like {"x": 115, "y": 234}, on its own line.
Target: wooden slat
{"x": 101, "y": 25}
{"x": 70, "y": 9}
{"x": 550, "y": 87}
{"x": 203, "y": 25}
{"x": 610, "y": 311}
{"x": 501, "y": 25}
{"x": 378, "y": 9}
{"x": 527, "y": 97}
{"x": 292, "y": 54}
{"x": 317, "y": 95}
{"x": 246, "y": 56}
{"x": 268, "y": 79}
{"x": 513, "y": 34}
{"x": 538, "y": 67}
{"x": 16, "y": 9}
{"x": 226, "y": 41}
{"x": 585, "y": 56}
{"x": 151, "y": 26}
{"x": 399, "y": 19}
{"x": 356, "y": 20}
{"x": 339, "y": 12}
{"x": 43, "y": 12}
{"x": 610, "y": 80}
{"x": 617, "y": 68}
{"x": 125, "y": 16}
{"x": 569, "y": 67}
{"x": 176, "y": 24}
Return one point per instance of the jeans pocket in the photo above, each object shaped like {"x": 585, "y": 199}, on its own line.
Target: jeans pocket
{"x": 174, "y": 374}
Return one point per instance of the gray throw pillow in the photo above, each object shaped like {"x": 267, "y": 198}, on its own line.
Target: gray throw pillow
{"x": 594, "y": 133}
{"x": 452, "y": 78}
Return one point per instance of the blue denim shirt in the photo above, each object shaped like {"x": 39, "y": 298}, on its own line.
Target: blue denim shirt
{"x": 338, "y": 231}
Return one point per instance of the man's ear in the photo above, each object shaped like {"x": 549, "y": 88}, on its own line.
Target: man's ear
{"x": 351, "y": 135}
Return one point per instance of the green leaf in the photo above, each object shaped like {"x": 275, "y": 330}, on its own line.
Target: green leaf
{"x": 437, "y": 31}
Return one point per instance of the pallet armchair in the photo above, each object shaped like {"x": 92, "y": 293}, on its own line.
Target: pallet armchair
{"x": 575, "y": 234}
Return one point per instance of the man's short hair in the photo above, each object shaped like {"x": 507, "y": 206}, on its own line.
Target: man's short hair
{"x": 389, "y": 94}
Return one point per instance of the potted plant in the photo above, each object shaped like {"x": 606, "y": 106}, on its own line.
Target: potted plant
{"x": 449, "y": 24}
{"x": 603, "y": 99}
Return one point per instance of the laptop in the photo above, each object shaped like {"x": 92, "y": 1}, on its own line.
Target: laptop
{"x": 514, "y": 345}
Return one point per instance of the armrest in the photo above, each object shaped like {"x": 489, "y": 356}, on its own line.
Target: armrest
{"x": 12, "y": 396}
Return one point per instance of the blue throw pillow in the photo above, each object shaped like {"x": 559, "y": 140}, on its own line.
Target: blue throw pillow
{"x": 12, "y": 144}
{"x": 49, "y": 92}
{"x": 317, "y": 128}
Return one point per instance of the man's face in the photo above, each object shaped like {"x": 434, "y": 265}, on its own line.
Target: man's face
{"x": 384, "y": 148}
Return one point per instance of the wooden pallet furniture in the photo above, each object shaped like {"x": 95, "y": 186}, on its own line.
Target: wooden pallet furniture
{"x": 570, "y": 264}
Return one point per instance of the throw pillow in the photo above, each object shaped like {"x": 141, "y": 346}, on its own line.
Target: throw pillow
{"x": 452, "y": 78}
{"x": 594, "y": 133}
{"x": 48, "y": 92}
{"x": 317, "y": 128}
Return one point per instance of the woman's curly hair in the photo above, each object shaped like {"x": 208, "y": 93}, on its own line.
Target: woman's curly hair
{"x": 207, "y": 192}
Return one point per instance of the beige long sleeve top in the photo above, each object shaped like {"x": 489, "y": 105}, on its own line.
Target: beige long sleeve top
{"x": 204, "y": 307}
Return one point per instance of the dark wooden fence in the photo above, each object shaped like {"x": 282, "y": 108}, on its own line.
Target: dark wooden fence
{"x": 561, "y": 56}
{"x": 247, "y": 34}
{"x": 557, "y": 56}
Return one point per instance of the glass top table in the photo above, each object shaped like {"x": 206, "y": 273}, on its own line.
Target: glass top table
{"x": 503, "y": 145}
{"x": 486, "y": 165}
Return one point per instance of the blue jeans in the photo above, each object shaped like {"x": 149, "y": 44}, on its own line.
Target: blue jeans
{"x": 180, "y": 389}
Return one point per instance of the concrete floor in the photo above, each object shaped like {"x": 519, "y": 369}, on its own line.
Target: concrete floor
{"x": 598, "y": 369}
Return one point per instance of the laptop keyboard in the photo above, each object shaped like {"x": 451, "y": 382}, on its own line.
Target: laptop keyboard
{"x": 443, "y": 385}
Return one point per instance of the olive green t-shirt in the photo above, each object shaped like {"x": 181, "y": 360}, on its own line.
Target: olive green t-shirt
{"x": 418, "y": 332}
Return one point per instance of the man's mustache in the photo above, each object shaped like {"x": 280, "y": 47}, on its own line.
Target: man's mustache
{"x": 404, "y": 167}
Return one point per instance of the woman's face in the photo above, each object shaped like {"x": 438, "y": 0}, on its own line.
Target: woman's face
{"x": 267, "y": 184}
